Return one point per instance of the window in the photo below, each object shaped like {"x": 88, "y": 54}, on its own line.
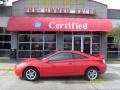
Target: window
{"x": 110, "y": 40}
{"x": 24, "y": 54}
{"x": 77, "y": 43}
{"x": 67, "y": 41}
{"x": 37, "y": 38}
{"x": 96, "y": 47}
{"x": 36, "y": 44}
{"x": 5, "y": 45}
{"x": 47, "y": 52}
{"x": 1, "y": 30}
{"x": 67, "y": 46}
{"x": 62, "y": 56}
{"x": 78, "y": 56}
{"x": 112, "y": 48}
{"x": 50, "y": 37}
{"x": 68, "y": 38}
{"x": 37, "y": 54}
{"x": 96, "y": 39}
{"x": 4, "y": 53}
{"x": 50, "y": 46}
{"x": 5, "y": 42}
{"x": 96, "y": 43}
{"x": 5, "y": 38}
{"x": 24, "y": 38}
{"x": 24, "y": 46}
{"x": 112, "y": 54}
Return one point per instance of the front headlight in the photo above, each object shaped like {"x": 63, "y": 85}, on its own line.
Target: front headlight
{"x": 20, "y": 65}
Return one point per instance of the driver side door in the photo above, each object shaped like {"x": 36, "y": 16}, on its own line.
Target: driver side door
{"x": 60, "y": 65}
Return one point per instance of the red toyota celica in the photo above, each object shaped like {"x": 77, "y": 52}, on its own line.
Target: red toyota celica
{"x": 62, "y": 63}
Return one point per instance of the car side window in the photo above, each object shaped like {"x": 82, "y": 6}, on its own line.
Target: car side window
{"x": 78, "y": 56}
{"x": 61, "y": 56}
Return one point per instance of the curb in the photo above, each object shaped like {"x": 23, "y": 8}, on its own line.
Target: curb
{"x": 6, "y": 68}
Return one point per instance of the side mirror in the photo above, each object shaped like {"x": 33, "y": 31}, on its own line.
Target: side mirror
{"x": 48, "y": 61}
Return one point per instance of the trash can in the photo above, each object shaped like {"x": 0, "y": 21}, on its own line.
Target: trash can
{"x": 13, "y": 53}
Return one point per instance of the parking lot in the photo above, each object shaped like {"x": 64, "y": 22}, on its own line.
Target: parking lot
{"x": 108, "y": 81}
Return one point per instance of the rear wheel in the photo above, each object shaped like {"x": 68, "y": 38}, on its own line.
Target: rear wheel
{"x": 30, "y": 74}
{"x": 92, "y": 74}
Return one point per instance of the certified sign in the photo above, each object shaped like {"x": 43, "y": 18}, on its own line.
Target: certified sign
{"x": 37, "y": 24}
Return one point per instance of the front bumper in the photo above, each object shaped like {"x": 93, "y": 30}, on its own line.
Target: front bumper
{"x": 18, "y": 71}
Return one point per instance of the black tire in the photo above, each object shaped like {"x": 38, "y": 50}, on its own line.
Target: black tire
{"x": 92, "y": 74}
{"x": 31, "y": 74}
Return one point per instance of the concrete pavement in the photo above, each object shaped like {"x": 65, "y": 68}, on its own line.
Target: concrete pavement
{"x": 108, "y": 81}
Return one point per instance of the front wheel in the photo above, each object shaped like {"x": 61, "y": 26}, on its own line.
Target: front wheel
{"x": 92, "y": 74}
{"x": 30, "y": 74}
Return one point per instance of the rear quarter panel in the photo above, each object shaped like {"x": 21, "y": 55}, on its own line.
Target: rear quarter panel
{"x": 95, "y": 63}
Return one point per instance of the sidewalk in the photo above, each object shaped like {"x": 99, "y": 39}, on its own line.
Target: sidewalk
{"x": 7, "y": 66}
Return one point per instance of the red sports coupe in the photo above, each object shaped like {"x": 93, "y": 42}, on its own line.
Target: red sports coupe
{"x": 62, "y": 63}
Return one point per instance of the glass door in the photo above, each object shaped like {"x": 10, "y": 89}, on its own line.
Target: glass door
{"x": 77, "y": 43}
{"x": 82, "y": 43}
{"x": 87, "y": 45}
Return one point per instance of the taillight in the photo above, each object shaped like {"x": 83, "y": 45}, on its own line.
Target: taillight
{"x": 104, "y": 61}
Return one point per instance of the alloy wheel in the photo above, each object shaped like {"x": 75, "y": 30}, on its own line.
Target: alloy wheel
{"x": 92, "y": 74}
{"x": 31, "y": 74}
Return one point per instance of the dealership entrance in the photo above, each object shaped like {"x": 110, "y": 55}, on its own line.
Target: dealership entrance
{"x": 82, "y": 43}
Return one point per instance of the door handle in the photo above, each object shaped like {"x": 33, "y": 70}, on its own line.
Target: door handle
{"x": 70, "y": 63}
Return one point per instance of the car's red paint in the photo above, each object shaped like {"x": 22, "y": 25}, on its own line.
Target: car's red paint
{"x": 69, "y": 67}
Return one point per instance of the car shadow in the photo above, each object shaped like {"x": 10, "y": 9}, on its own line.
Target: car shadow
{"x": 111, "y": 76}
{"x": 66, "y": 80}
{"x": 107, "y": 77}
{"x": 77, "y": 80}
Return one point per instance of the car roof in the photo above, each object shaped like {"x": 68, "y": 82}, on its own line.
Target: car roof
{"x": 77, "y": 52}
{"x": 68, "y": 51}
{"x": 74, "y": 51}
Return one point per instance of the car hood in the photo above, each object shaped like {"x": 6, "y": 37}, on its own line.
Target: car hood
{"x": 29, "y": 60}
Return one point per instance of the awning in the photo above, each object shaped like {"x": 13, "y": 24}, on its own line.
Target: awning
{"x": 58, "y": 24}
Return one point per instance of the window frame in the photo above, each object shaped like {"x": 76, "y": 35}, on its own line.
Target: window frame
{"x": 72, "y": 54}
{"x": 83, "y": 57}
{"x": 60, "y": 59}
{"x": 31, "y": 50}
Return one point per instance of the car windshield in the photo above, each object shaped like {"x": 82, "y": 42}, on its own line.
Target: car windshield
{"x": 42, "y": 58}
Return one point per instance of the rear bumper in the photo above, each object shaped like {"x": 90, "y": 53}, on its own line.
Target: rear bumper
{"x": 103, "y": 68}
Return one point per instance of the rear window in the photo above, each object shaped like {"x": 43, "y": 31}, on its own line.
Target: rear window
{"x": 78, "y": 56}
